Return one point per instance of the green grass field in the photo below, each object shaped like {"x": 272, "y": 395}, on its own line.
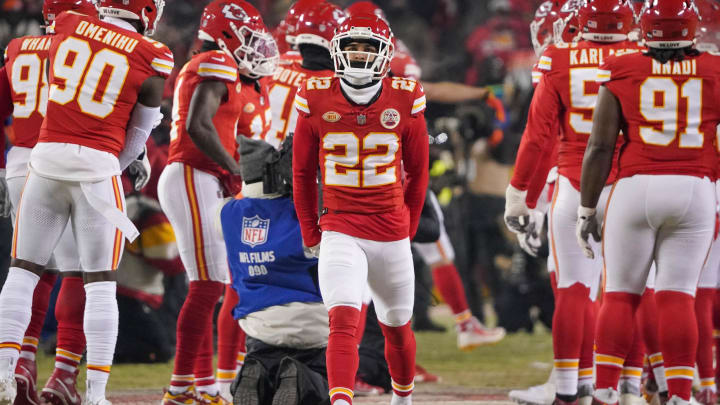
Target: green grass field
{"x": 519, "y": 360}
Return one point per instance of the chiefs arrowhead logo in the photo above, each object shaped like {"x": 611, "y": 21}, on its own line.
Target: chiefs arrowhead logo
{"x": 232, "y": 11}
{"x": 390, "y": 118}
{"x": 331, "y": 116}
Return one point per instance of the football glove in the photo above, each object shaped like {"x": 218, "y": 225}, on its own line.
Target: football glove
{"x": 5, "y": 205}
{"x": 587, "y": 224}
{"x": 139, "y": 170}
{"x": 312, "y": 251}
{"x": 517, "y": 215}
{"x": 531, "y": 241}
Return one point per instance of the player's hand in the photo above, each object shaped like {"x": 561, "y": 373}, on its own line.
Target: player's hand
{"x": 517, "y": 215}
{"x": 312, "y": 251}
{"x": 4, "y": 197}
{"x": 139, "y": 171}
{"x": 587, "y": 224}
{"x": 531, "y": 240}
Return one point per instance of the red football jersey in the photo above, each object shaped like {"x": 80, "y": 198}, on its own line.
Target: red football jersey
{"x": 283, "y": 85}
{"x": 25, "y": 60}
{"x": 96, "y": 70}
{"x": 241, "y": 113}
{"x": 567, "y": 93}
{"x": 362, "y": 151}
{"x": 670, "y": 113}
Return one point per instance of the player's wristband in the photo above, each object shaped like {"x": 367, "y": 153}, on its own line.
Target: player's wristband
{"x": 585, "y": 212}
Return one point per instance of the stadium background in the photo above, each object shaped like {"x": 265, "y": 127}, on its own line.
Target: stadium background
{"x": 483, "y": 43}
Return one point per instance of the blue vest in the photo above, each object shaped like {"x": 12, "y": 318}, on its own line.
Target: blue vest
{"x": 265, "y": 254}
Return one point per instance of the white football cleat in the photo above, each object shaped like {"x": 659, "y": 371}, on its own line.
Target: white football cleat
{"x": 398, "y": 400}
{"x": 8, "y": 390}
{"x": 543, "y": 394}
{"x": 99, "y": 402}
{"x": 473, "y": 333}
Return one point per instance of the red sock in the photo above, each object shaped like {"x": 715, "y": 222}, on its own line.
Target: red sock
{"x": 193, "y": 323}
{"x": 612, "y": 337}
{"x": 633, "y": 367}
{"x": 400, "y": 356}
{"x": 704, "y": 298}
{"x": 361, "y": 323}
{"x": 587, "y": 349}
{"x": 447, "y": 280}
{"x": 342, "y": 353}
{"x": 203, "y": 369}
{"x": 716, "y": 334}
{"x": 678, "y": 332}
{"x": 41, "y": 297}
{"x": 229, "y": 336}
{"x": 69, "y": 312}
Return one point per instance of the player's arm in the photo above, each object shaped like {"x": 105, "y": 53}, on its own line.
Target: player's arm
{"x": 145, "y": 115}
{"x": 536, "y": 145}
{"x": 600, "y": 148}
{"x": 305, "y": 166}
{"x": 205, "y": 101}
{"x": 415, "y": 156}
{"x": 596, "y": 166}
{"x": 450, "y": 92}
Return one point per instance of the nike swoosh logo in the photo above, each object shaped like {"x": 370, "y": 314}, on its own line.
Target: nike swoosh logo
{"x": 72, "y": 397}
{"x": 169, "y": 55}
{"x": 218, "y": 59}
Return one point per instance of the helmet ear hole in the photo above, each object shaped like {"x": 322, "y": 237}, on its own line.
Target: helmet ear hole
{"x": 226, "y": 34}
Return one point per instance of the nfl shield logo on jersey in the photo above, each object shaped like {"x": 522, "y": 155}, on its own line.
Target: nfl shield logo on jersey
{"x": 255, "y": 230}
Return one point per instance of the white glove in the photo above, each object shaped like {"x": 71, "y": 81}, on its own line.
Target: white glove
{"x": 139, "y": 170}
{"x": 517, "y": 214}
{"x": 587, "y": 224}
{"x": 312, "y": 251}
{"x": 5, "y": 206}
{"x": 531, "y": 241}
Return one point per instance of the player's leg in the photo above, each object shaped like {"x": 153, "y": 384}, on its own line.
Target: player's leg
{"x": 631, "y": 374}
{"x": 626, "y": 276}
{"x": 576, "y": 276}
{"x": 685, "y": 224}
{"x": 231, "y": 342}
{"x": 42, "y": 213}
{"x": 392, "y": 281}
{"x": 189, "y": 199}
{"x": 203, "y": 368}
{"x": 60, "y": 388}
{"x": 646, "y": 322}
{"x": 342, "y": 273}
{"x": 704, "y": 300}
{"x": 100, "y": 246}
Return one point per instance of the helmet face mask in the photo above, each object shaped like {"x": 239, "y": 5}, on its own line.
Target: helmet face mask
{"x": 348, "y": 61}
{"x": 237, "y": 28}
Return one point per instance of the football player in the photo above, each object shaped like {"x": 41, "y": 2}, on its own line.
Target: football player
{"x": 707, "y": 40}
{"x": 284, "y": 33}
{"x": 217, "y": 97}
{"x": 567, "y": 91}
{"x": 359, "y": 128}
{"x": 93, "y": 129}
{"x": 663, "y": 201}
{"x": 29, "y": 95}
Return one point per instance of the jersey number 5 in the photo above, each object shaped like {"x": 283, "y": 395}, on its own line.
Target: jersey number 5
{"x": 70, "y": 64}
{"x": 345, "y": 167}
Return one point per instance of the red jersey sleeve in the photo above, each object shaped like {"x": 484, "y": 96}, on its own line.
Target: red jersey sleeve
{"x": 415, "y": 156}
{"x": 540, "y": 134}
{"x": 160, "y": 57}
{"x": 305, "y": 167}
{"x": 6, "y": 108}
